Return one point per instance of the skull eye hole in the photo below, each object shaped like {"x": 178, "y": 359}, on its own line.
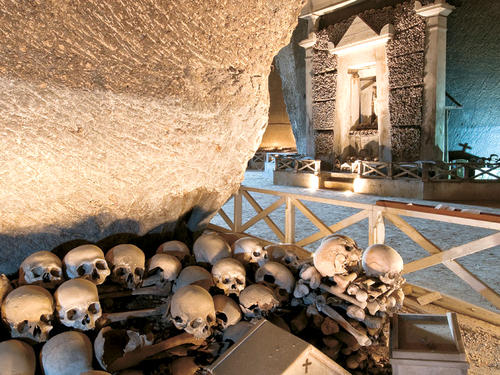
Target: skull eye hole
{"x": 269, "y": 279}
{"x": 45, "y": 318}
{"x": 71, "y": 314}
{"x": 348, "y": 248}
{"x": 22, "y": 326}
{"x": 101, "y": 265}
{"x": 253, "y": 307}
{"x": 196, "y": 323}
{"x": 178, "y": 319}
{"x": 221, "y": 316}
{"x": 256, "y": 254}
{"x": 94, "y": 308}
{"x": 55, "y": 272}
{"x": 81, "y": 270}
{"x": 240, "y": 282}
{"x": 120, "y": 271}
{"x": 37, "y": 271}
{"x": 226, "y": 280}
{"x": 139, "y": 272}
{"x": 209, "y": 319}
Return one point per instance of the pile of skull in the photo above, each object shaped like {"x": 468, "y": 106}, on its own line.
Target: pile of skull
{"x": 339, "y": 299}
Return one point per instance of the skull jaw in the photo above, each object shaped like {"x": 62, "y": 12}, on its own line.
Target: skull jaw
{"x": 128, "y": 281}
{"x": 81, "y": 324}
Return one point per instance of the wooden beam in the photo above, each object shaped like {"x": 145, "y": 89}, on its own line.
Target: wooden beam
{"x": 323, "y": 228}
{"x": 473, "y": 281}
{"x": 262, "y": 214}
{"x": 376, "y": 227}
{"x": 348, "y": 221}
{"x": 454, "y": 253}
{"x": 454, "y": 304}
{"x": 428, "y": 298}
{"x": 226, "y": 218}
{"x": 238, "y": 211}
{"x": 289, "y": 221}
{"x": 270, "y": 223}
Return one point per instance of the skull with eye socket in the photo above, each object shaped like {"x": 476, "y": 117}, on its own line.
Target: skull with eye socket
{"x": 229, "y": 275}
{"x": 87, "y": 262}
{"x": 28, "y": 312}
{"x": 337, "y": 255}
{"x": 42, "y": 268}
{"x": 127, "y": 264}
{"x": 77, "y": 304}
{"x": 193, "y": 310}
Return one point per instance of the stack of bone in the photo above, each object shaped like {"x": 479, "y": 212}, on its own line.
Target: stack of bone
{"x": 179, "y": 310}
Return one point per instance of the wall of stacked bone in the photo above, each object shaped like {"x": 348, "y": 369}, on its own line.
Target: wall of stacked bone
{"x": 93, "y": 309}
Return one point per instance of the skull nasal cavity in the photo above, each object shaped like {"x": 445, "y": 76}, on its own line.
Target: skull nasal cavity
{"x": 269, "y": 279}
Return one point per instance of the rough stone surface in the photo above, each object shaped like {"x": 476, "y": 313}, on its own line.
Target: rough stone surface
{"x": 405, "y": 105}
{"x": 405, "y": 142}
{"x": 473, "y": 76}
{"x": 324, "y": 115}
{"x": 324, "y": 142}
{"x": 407, "y": 42}
{"x": 291, "y": 63}
{"x": 324, "y": 86}
{"x": 122, "y": 116}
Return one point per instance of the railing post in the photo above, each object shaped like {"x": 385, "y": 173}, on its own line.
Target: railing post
{"x": 238, "y": 211}
{"x": 376, "y": 227}
{"x": 289, "y": 221}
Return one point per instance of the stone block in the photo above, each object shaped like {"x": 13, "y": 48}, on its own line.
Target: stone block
{"x": 407, "y": 70}
{"x": 324, "y": 115}
{"x": 405, "y": 106}
{"x": 324, "y": 86}
{"x": 323, "y": 62}
{"x": 405, "y": 142}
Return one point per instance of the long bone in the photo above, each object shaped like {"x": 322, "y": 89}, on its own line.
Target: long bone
{"x": 138, "y": 355}
{"x": 108, "y": 318}
{"x": 115, "y": 292}
{"x": 362, "y": 339}
{"x": 337, "y": 291}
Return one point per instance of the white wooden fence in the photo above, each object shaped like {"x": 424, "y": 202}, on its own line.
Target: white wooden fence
{"x": 377, "y": 214}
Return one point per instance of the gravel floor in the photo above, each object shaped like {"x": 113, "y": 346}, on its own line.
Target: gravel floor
{"x": 485, "y": 264}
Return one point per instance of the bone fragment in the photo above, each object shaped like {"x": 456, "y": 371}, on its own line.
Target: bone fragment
{"x": 335, "y": 290}
{"x": 373, "y": 322}
{"x": 329, "y": 326}
{"x": 362, "y": 339}
{"x": 148, "y": 291}
{"x": 361, "y": 296}
{"x": 331, "y": 342}
{"x": 355, "y": 312}
{"x": 344, "y": 281}
{"x": 311, "y": 274}
{"x": 301, "y": 290}
{"x": 373, "y": 307}
{"x": 135, "y": 357}
{"x": 352, "y": 289}
{"x": 108, "y": 318}
{"x": 355, "y": 360}
{"x": 299, "y": 323}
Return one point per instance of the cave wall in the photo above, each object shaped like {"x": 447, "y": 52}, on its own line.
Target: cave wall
{"x": 405, "y": 59}
{"x": 473, "y": 76}
{"x": 122, "y": 117}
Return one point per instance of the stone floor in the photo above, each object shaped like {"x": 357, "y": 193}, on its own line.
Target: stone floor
{"x": 484, "y": 264}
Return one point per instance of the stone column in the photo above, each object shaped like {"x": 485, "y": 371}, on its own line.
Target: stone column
{"x": 307, "y": 44}
{"x": 433, "y": 126}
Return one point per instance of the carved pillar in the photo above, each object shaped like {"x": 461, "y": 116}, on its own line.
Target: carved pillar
{"x": 433, "y": 126}
{"x": 307, "y": 44}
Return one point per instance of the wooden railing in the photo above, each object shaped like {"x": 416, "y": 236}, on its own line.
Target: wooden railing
{"x": 297, "y": 164}
{"x": 427, "y": 171}
{"x": 377, "y": 215}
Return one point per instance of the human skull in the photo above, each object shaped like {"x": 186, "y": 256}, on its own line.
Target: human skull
{"x": 127, "y": 264}
{"x": 227, "y": 311}
{"x": 210, "y": 247}
{"x": 379, "y": 260}
{"x": 278, "y": 277}
{"x": 162, "y": 270}
{"x": 28, "y": 311}
{"x": 77, "y": 304}
{"x": 290, "y": 255}
{"x": 229, "y": 275}
{"x": 68, "y": 353}
{"x": 42, "y": 268}
{"x": 193, "y": 275}
{"x": 192, "y": 309}
{"x": 250, "y": 250}
{"x": 17, "y": 358}
{"x": 86, "y": 262}
{"x": 257, "y": 300}
{"x": 337, "y": 254}
{"x": 176, "y": 248}
{"x": 5, "y": 287}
